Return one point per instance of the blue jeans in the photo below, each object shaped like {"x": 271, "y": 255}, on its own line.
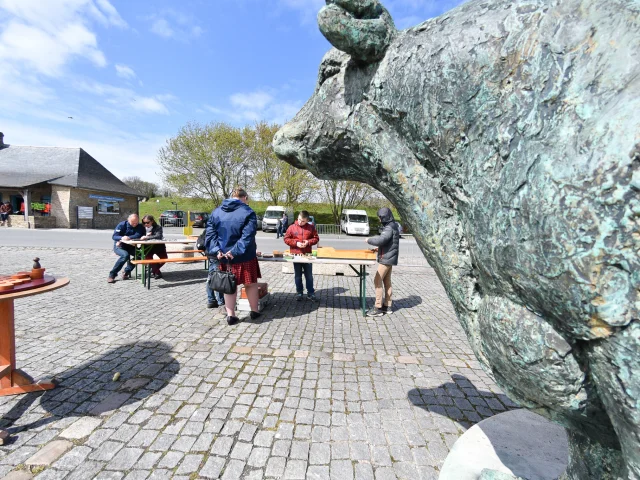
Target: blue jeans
{"x": 298, "y": 268}
{"x": 123, "y": 252}
{"x": 211, "y": 294}
{"x": 279, "y": 232}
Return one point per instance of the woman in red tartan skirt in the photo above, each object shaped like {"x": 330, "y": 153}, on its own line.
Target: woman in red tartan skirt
{"x": 231, "y": 237}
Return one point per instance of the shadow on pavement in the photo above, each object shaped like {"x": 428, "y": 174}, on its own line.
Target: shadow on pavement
{"x": 89, "y": 389}
{"x": 452, "y": 399}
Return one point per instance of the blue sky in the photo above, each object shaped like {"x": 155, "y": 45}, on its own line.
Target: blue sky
{"x": 131, "y": 72}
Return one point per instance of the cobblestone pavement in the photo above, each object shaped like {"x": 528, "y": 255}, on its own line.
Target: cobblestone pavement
{"x": 309, "y": 390}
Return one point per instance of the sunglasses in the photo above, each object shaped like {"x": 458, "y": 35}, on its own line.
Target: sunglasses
{"x": 147, "y": 223}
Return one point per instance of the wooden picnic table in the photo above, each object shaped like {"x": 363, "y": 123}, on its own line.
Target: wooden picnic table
{"x": 12, "y": 380}
{"x": 361, "y": 272}
{"x": 144, "y": 246}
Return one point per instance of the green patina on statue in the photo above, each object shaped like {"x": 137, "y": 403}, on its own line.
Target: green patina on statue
{"x": 507, "y": 134}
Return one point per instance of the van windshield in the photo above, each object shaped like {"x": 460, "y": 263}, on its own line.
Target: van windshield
{"x": 273, "y": 214}
{"x": 358, "y": 219}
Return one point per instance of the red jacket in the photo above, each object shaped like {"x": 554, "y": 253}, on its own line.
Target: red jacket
{"x": 296, "y": 233}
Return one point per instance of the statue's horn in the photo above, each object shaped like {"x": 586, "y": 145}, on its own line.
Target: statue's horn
{"x": 362, "y": 28}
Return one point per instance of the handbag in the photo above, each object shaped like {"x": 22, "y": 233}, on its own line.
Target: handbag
{"x": 222, "y": 281}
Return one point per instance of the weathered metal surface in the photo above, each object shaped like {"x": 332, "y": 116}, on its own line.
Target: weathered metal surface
{"x": 507, "y": 134}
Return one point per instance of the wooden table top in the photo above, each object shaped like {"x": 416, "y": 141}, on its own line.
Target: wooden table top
{"x": 59, "y": 283}
{"x": 156, "y": 242}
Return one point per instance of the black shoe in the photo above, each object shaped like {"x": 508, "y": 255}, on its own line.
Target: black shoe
{"x": 254, "y": 315}
{"x": 157, "y": 276}
{"x": 375, "y": 312}
{"x": 111, "y": 280}
{"x": 232, "y": 320}
{"x": 312, "y": 297}
{"x": 126, "y": 276}
{"x": 299, "y": 297}
{"x": 213, "y": 304}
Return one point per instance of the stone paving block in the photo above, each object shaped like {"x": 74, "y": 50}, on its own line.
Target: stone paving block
{"x": 109, "y": 476}
{"x": 317, "y": 472}
{"x": 112, "y": 402}
{"x": 212, "y": 467}
{"x": 125, "y": 459}
{"x": 73, "y": 458}
{"x": 190, "y": 464}
{"x": 233, "y": 470}
{"x": 136, "y": 475}
{"x": 341, "y": 470}
{"x": 222, "y": 446}
{"x": 18, "y": 475}
{"x": 275, "y": 467}
{"x": 81, "y": 428}
{"x": 241, "y": 350}
{"x": 49, "y": 453}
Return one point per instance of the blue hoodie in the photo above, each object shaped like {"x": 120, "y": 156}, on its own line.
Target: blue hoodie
{"x": 232, "y": 228}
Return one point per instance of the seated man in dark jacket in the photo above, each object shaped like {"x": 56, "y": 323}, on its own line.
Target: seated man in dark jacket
{"x": 127, "y": 230}
{"x": 388, "y": 249}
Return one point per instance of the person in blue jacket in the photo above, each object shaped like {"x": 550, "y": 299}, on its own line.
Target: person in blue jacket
{"x": 130, "y": 229}
{"x": 231, "y": 237}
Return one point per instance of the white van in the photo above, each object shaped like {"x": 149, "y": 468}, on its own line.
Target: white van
{"x": 354, "y": 222}
{"x": 271, "y": 216}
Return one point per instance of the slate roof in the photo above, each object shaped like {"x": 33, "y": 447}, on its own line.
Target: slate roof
{"x": 22, "y": 166}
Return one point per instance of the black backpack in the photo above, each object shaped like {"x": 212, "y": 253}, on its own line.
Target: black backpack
{"x": 200, "y": 242}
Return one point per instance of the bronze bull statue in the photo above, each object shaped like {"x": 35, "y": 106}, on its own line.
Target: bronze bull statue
{"x": 507, "y": 135}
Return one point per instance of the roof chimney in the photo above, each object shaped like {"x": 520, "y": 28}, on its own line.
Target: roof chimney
{"x": 1, "y": 139}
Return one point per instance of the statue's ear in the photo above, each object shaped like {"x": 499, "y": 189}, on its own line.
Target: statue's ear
{"x": 362, "y": 28}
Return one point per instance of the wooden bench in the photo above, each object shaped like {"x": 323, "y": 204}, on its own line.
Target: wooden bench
{"x": 185, "y": 251}
{"x": 155, "y": 261}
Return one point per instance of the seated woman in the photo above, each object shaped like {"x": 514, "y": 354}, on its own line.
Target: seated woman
{"x": 154, "y": 232}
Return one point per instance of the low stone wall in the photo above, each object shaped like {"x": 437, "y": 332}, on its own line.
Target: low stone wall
{"x": 17, "y": 221}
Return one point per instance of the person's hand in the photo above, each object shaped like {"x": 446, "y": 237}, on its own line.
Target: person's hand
{"x": 299, "y": 244}
{"x": 220, "y": 255}
{"x": 118, "y": 243}
{"x": 374, "y": 249}
{"x": 305, "y": 243}
{"x": 125, "y": 238}
{"x": 144, "y": 238}
{"x": 366, "y": 240}
{"x": 229, "y": 255}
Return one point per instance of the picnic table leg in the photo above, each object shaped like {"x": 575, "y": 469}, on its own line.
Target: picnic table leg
{"x": 363, "y": 289}
{"x": 12, "y": 380}
{"x": 148, "y": 277}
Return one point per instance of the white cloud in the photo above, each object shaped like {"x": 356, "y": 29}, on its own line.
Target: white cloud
{"x": 126, "y": 97}
{"x": 255, "y": 100}
{"x": 249, "y": 107}
{"x": 46, "y": 35}
{"x": 161, "y": 27}
{"x": 170, "y": 23}
{"x": 125, "y": 72}
{"x": 149, "y": 105}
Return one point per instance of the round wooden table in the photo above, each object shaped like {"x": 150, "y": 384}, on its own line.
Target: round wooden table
{"x": 12, "y": 380}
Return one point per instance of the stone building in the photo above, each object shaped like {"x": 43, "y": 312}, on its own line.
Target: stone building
{"x": 54, "y": 187}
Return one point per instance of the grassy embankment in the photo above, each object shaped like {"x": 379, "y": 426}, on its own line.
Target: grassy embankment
{"x": 321, "y": 211}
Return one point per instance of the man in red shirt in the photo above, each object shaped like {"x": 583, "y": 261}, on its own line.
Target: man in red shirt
{"x": 300, "y": 237}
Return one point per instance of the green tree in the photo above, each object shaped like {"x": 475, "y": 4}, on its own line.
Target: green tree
{"x": 275, "y": 180}
{"x": 205, "y": 161}
{"x": 341, "y": 194}
{"x": 147, "y": 189}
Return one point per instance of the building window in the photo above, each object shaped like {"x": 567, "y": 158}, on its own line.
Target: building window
{"x": 108, "y": 207}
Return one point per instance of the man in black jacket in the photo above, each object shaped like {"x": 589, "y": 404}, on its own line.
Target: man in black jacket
{"x": 127, "y": 230}
{"x": 387, "y": 243}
